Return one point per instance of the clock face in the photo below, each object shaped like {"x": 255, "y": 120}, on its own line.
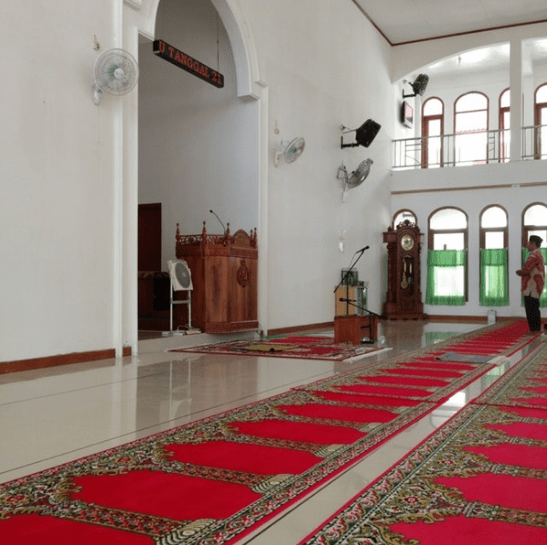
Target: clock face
{"x": 407, "y": 242}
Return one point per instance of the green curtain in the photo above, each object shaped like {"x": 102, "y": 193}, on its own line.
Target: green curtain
{"x": 543, "y": 298}
{"x": 446, "y": 277}
{"x": 494, "y": 290}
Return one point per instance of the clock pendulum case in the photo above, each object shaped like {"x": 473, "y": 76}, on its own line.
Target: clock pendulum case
{"x": 404, "y": 298}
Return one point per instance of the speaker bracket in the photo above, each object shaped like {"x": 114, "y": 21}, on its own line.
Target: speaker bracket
{"x": 342, "y": 145}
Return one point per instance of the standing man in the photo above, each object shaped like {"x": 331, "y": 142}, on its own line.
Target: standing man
{"x": 533, "y": 280}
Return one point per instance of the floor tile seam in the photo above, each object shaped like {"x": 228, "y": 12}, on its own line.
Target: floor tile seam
{"x": 74, "y": 390}
{"x": 121, "y": 381}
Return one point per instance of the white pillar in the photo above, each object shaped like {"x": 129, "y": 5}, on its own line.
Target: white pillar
{"x": 515, "y": 79}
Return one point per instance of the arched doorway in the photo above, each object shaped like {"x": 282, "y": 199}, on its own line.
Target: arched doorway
{"x": 190, "y": 154}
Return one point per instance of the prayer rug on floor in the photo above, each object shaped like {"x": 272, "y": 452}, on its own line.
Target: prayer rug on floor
{"x": 481, "y": 478}
{"x": 309, "y": 348}
{"x": 215, "y": 480}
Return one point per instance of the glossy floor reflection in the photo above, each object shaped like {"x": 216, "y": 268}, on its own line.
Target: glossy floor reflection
{"x": 56, "y": 415}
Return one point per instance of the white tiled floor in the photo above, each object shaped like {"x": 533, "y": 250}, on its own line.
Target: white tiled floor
{"x": 56, "y": 415}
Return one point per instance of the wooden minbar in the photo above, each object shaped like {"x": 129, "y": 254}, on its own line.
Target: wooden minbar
{"x": 224, "y": 272}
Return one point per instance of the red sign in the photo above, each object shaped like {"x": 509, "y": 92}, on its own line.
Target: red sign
{"x": 184, "y": 61}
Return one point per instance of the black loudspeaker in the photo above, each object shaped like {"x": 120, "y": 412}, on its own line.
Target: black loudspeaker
{"x": 367, "y": 132}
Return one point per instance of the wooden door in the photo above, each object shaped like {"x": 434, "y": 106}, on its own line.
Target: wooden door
{"x": 150, "y": 237}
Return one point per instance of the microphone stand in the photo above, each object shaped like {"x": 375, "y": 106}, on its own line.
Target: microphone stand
{"x": 349, "y": 301}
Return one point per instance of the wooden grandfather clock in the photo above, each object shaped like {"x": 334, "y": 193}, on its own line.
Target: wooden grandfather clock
{"x": 404, "y": 298}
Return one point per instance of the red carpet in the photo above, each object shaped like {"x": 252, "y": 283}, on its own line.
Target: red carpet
{"x": 480, "y": 479}
{"x": 213, "y": 481}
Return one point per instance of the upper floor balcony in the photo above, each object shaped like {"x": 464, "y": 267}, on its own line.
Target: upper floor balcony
{"x": 465, "y": 149}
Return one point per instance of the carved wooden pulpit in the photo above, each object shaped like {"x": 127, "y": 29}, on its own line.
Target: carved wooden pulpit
{"x": 225, "y": 279}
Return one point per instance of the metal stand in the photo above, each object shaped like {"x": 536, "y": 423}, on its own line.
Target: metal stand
{"x": 187, "y": 301}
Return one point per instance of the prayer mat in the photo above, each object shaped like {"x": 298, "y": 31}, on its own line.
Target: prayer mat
{"x": 472, "y": 358}
{"x": 481, "y": 478}
{"x": 312, "y": 347}
{"x": 215, "y": 480}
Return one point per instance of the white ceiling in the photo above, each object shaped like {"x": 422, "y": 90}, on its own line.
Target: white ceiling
{"x": 402, "y": 21}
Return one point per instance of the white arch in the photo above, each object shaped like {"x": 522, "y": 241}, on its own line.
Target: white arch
{"x": 144, "y": 12}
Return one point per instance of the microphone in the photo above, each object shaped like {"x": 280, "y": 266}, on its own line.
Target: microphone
{"x": 214, "y": 214}
{"x": 362, "y": 249}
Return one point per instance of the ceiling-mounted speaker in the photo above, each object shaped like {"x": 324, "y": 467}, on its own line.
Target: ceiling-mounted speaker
{"x": 367, "y": 132}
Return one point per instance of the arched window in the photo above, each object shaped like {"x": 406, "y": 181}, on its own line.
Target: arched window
{"x": 494, "y": 281}
{"x": 446, "y": 257}
{"x": 534, "y": 222}
{"x": 505, "y": 125}
{"x": 471, "y": 129}
{"x": 493, "y": 228}
{"x": 447, "y": 230}
{"x": 540, "y": 121}
{"x": 432, "y": 133}
{"x": 403, "y": 215}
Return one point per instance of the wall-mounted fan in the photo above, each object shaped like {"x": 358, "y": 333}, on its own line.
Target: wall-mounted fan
{"x": 291, "y": 150}
{"x": 116, "y": 72}
{"x": 355, "y": 178}
{"x": 181, "y": 276}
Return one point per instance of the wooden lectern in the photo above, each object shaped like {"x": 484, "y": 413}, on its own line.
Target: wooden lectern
{"x": 352, "y": 322}
{"x": 225, "y": 278}
{"x": 355, "y": 328}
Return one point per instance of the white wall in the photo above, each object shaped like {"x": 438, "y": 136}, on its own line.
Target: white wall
{"x": 479, "y": 187}
{"x": 56, "y": 188}
{"x": 324, "y": 66}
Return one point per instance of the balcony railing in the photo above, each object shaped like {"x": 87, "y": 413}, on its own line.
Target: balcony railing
{"x": 472, "y": 148}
